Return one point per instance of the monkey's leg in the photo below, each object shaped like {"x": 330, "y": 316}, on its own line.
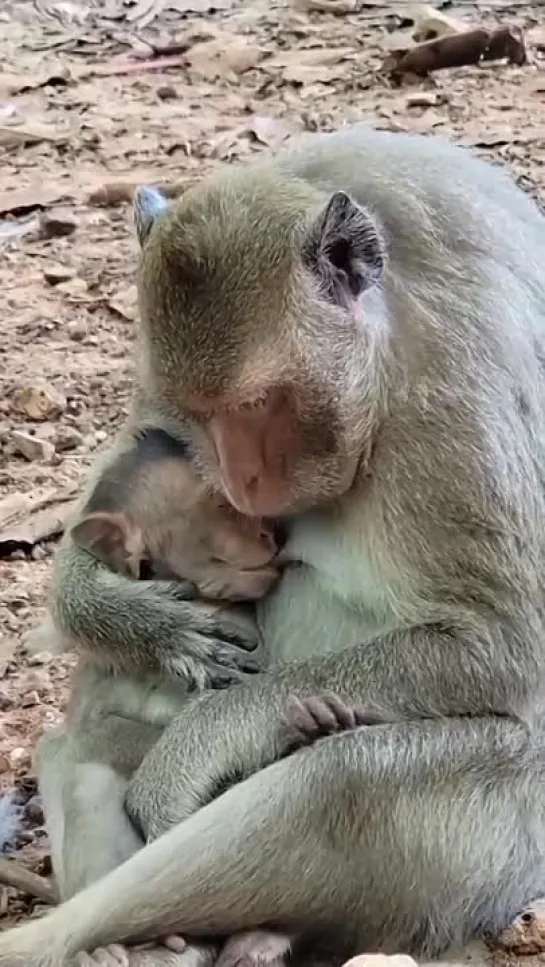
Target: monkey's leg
{"x": 89, "y": 831}
{"x": 403, "y": 837}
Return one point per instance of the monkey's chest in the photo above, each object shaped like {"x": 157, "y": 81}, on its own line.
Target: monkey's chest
{"x": 330, "y": 601}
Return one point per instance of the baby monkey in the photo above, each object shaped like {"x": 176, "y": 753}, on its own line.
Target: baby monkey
{"x": 205, "y": 542}
{"x": 226, "y": 556}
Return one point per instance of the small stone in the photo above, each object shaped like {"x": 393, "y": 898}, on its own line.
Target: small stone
{"x": 31, "y": 447}
{"x": 38, "y": 401}
{"x": 4, "y": 764}
{"x": 30, "y": 699}
{"x": 35, "y": 811}
{"x": 67, "y": 438}
{"x": 101, "y": 436}
{"x": 19, "y": 757}
{"x": 57, "y": 224}
{"x": 38, "y": 553}
{"x": 167, "y": 92}
{"x": 55, "y": 273}
{"x": 40, "y": 658}
{"x": 76, "y": 330}
{"x": 6, "y": 701}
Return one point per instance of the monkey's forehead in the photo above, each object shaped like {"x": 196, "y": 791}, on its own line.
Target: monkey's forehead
{"x": 218, "y": 277}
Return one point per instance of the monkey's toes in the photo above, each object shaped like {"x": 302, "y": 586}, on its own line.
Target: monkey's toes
{"x": 112, "y": 956}
{"x": 526, "y": 934}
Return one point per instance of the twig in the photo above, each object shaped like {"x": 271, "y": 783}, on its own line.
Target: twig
{"x": 456, "y": 50}
{"x": 15, "y": 875}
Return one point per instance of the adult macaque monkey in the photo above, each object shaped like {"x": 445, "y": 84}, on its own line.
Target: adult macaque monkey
{"x": 355, "y": 332}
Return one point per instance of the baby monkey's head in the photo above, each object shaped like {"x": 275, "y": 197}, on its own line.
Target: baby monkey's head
{"x": 171, "y": 527}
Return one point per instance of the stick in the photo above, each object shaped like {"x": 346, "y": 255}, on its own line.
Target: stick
{"x": 15, "y": 875}
{"x": 456, "y": 50}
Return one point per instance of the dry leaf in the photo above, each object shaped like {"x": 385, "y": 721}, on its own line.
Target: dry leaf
{"x": 29, "y": 132}
{"x": 198, "y": 6}
{"x": 57, "y": 224}
{"x": 145, "y": 12}
{"x": 308, "y": 65}
{"x": 35, "y": 196}
{"x": 124, "y": 303}
{"x": 268, "y": 130}
{"x": 35, "y": 519}
{"x": 38, "y": 401}
{"x": 536, "y": 37}
{"x": 338, "y": 7}
{"x": 221, "y": 57}
{"x": 430, "y": 23}
{"x": 11, "y": 83}
{"x": 30, "y": 447}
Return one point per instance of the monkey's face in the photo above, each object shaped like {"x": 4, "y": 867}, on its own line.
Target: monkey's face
{"x": 278, "y": 453}
{"x": 225, "y": 554}
{"x": 258, "y": 317}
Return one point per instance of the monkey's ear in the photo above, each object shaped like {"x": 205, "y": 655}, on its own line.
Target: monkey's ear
{"x": 344, "y": 249}
{"x": 148, "y": 205}
{"x": 113, "y": 539}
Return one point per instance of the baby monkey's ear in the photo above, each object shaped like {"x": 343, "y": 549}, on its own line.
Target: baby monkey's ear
{"x": 113, "y": 539}
{"x": 148, "y": 205}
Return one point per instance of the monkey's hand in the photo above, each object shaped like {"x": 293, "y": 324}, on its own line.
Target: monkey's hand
{"x": 131, "y": 625}
{"x": 211, "y": 642}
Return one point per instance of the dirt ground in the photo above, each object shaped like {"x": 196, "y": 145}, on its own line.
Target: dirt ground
{"x": 82, "y": 107}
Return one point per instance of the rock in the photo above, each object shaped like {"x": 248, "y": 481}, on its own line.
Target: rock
{"x": 57, "y": 224}
{"x": 67, "y": 438}
{"x": 6, "y": 700}
{"x": 76, "y": 330}
{"x": 73, "y": 287}
{"x": 55, "y": 273}
{"x": 40, "y": 658}
{"x": 38, "y": 401}
{"x": 19, "y": 757}
{"x": 30, "y": 699}
{"x": 34, "y": 810}
{"x": 31, "y": 447}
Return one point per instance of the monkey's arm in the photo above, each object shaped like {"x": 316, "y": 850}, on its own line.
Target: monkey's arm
{"x": 141, "y": 625}
{"x": 425, "y": 672}
{"x": 130, "y": 625}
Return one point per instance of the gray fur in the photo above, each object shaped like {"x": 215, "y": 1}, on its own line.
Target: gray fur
{"x": 419, "y": 594}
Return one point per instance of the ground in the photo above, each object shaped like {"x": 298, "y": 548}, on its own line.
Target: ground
{"x": 81, "y": 107}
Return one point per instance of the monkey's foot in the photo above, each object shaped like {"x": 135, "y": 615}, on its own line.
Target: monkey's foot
{"x": 381, "y": 960}
{"x": 148, "y": 955}
{"x": 526, "y": 935}
{"x": 112, "y": 956}
{"x": 256, "y": 948}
